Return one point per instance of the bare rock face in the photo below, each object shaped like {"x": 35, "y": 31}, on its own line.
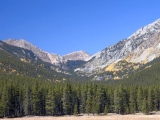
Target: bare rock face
{"x": 78, "y": 55}
{"x": 147, "y": 51}
{"x": 141, "y": 46}
{"x": 48, "y": 57}
{"x": 24, "y": 44}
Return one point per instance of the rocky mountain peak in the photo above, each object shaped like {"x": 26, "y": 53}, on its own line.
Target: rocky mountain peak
{"x": 148, "y": 29}
{"x": 24, "y": 44}
{"x": 20, "y": 43}
{"x": 122, "y": 49}
{"x": 48, "y": 57}
{"x": 78, "y": 55}
{"x": 141, "y": 47}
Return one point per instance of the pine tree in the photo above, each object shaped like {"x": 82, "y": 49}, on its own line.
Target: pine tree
{"x": 20, "y": 102}
{"x": 75, "y": 110}
{"x": 78, "y": 97}
{"x": 116, "y": 101}
{"x": 58, "y": 89}
{"x": 99, "y": 99}
{"x": 120, "y": 100}
{"x": 50, "y": 102}
{"x": 139, "y": 99}
{"x": 132, "y": 101}
{"x": 11, "y": 101}
{"x": 150, "y": 99}
{"x": 89, "y": 100}
{"x": 36, "y": 99}
{"x": 42, "y": 96}
{"x": 67, "y": 99}
{"x": 109, "y": 102}
{"x": 83, "y": 99}
{"x": 106, "y": 110}
{"x": 145, "y": 108}
{"x": 27, "y": 102}
{"x": 156, "y": 99}
{"x": 4, "y": 102}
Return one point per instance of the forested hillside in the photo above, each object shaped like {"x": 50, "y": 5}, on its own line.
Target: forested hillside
{"x": 21, "y": 96}
{"x": 33, "y": 88}
{"x": 24, "y": 67}
{"x": 147, "y": 75}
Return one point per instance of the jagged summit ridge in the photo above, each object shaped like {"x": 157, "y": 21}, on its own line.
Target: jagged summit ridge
{"x": 48, "y": 57}
{"x": 141, "y": 47}
{"x": 150, "y": 28}
{"x": 122, "y": 49}
{"x": 24, "y": 44}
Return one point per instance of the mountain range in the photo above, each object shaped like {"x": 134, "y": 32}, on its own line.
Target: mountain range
{"x": 114, "y": 62}
{"x": 45, "y": 56}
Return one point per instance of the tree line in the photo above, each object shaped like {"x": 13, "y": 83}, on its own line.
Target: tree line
{"x": 22, "y": 96}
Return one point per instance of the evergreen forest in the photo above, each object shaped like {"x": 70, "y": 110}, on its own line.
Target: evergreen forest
{"x": 24, "y": 96}
{"x": 32, "y": 88}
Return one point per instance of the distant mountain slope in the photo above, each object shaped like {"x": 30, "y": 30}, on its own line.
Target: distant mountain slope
{"x": 147, "y": 75}
{"x": 141, "y": 47}
{"x": 115, "y": 62}
{"x": 19, "y": 61}
{"x": 20, "y": 53}
{"x": 44, "y": 56}
{"x": 78, "y": 55}
{"x": 48, "y": 57}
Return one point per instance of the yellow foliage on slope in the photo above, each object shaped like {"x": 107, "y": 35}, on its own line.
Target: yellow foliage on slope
{"x": 110, "y": 67}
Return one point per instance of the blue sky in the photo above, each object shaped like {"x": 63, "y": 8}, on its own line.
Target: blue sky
{"x": 64, "y": 26}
